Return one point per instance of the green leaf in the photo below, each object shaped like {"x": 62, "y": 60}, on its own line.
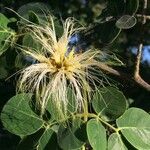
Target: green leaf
{"x": 109, "y": 103}
{"x": 30, "y": 42}
{"x": 48, "y": 140}
{"x": 115, "y": 142}
{"x": 96, "y": 134}
{"x": 135, "y": 126}
{"x": 18, "y": 118}
{"x": 126, "y": 22}
{"x": 6, "y": 34}
{"x": 66, "y": 138}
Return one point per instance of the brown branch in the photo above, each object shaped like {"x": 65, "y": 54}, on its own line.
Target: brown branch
{"x": 137, "y": 76}
{"x": 138, "y": 60}
{"x": 147, "y": 17}
{"x": 139, "y": 81}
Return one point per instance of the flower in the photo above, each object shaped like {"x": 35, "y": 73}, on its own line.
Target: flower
{"x": 57, "y": 69}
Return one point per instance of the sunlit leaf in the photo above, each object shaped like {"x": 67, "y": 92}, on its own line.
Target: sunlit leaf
{"x": 18, "y": 117}
{"x": 109, "y": 103}
{"x": 96, "y": 134}
{"x": 115, "y": 142}
{"x": 135, "y": 126}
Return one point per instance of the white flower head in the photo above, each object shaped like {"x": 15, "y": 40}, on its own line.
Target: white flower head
{"x": 55, "y": 71}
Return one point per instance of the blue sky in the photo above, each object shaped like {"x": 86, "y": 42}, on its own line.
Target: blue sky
{"x": 145, "y": 55}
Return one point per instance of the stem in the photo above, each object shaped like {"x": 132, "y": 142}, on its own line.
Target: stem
{"x": 85, "y": 96}
{"x": 109, "y": 125}
{"x": 91, "y": 115}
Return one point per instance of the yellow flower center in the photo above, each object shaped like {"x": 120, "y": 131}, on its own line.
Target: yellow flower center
{"x": 66, "y": 64}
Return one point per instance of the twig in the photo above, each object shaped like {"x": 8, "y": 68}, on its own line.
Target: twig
{"x": 138, "y": 60}
{"x": 145, "y": 16}
{"x": 137, "y": 76}
{"x": 139, "y": 81}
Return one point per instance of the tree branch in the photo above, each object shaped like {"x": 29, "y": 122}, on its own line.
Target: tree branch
{"x": 145, "y": 16}
{"x": 139, "y": 81}
{"x": 137, "y": 76}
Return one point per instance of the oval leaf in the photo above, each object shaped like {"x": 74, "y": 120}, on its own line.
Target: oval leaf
{"x": 18, "y": 118}
{"x": 109, "y": 103}
{"x": 115, "y": 142}
{"x": 135, "y": 126}
{"x": 126, "y": 22}
{"x": 96, "y": 134}
{"x": 30, "y": 42}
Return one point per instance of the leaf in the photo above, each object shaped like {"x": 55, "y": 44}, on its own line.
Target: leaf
{"x": 96, "y": 134}
{"x": 6, "y": 34}
{"x": 30, "y": 42}
{"x": 109, "y": 103}
{"x": 126, "y": 22}
{"x": 115, "y": 142}
{"x": 66, "y": 138}
{"x": 18, "y": 118}
{"x": 135, "y": 126}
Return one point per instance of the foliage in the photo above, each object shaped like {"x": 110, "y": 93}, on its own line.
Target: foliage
{"x": 112, "y": 120}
